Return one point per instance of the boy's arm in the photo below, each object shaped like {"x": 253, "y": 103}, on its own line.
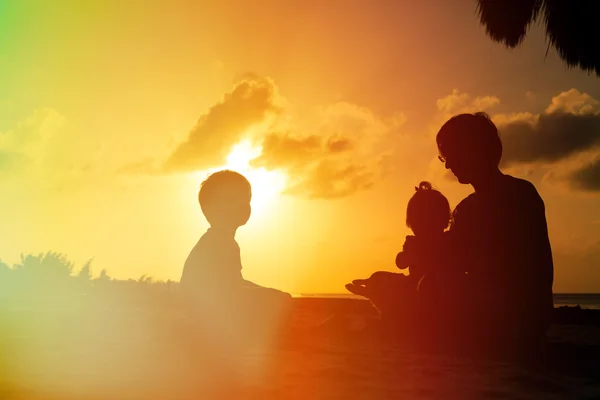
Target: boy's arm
{"x": 255, "y": 289}
{"x": 249, "y": 284}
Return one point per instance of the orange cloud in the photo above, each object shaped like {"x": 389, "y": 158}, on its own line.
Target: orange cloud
{"x": 458, "y": 103}
{"x": 570, "y": 125}
{"x": 574, "y": 102}
{"x": 332, "y": 151}
{"x": 587, "y": 177}
{"x": 253, "y": 101}
{"x": 343, "y": 156}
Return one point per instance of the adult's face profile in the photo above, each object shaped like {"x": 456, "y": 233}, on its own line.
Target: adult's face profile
{"x": 465, "y": 164}
{"x": 469, "y": 146}
{"x": 458, "y": 164}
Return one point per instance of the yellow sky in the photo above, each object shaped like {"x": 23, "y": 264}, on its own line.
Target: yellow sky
{"x": 110, "y": 116}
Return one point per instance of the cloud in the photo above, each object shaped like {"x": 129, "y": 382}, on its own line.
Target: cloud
{"x": 569, "y": 125}
{"x": 574, "y": 102}
{"x": 459, "y": 102}
{"x": 586, "y": 178}
{"x": 550, "y": 137}
{"x": 344, "y": 155}
{"x": 333, "y": 150}
{"x": 26, "y": 144}
{"x": 564, "y": 138}
{"x": 328, "y": 179}
{"x": 253, "y": 101}
{"x": 288, "y": 151}
{"x": 318, "y": 167}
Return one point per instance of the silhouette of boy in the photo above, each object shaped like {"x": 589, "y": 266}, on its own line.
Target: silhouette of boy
{"x": 214, "y": 267}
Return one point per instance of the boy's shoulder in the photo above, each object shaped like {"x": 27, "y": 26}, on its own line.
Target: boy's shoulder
{"x": 211, "y": 242}
{"x": 215, "y": 250}
{"x": 213, "y": 237}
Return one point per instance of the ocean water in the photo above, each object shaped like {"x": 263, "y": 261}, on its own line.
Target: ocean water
{"x": 584, "y": 300}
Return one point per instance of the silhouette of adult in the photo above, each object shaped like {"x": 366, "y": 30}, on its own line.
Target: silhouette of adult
{"x": 497, "y": 244}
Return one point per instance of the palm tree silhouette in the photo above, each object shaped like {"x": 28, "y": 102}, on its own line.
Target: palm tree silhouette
{"x": 570, "y": 27}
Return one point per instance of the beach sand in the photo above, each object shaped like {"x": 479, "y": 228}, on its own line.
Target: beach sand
{"x": 159, "y": 354}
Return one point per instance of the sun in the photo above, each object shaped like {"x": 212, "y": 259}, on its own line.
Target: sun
{"x": 267, "y": 185}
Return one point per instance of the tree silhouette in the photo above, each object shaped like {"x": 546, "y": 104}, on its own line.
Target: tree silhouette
{"x": 86, "y": 271}
{"x": 103, "y": 276}
{"x": 570, "y": 27}
{"x": 51, "y": 266}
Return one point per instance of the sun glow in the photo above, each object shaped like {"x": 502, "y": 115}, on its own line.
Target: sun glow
{"x": 266, "y": 185}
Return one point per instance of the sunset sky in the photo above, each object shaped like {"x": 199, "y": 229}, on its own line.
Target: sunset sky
{"x": 112, "y": 113}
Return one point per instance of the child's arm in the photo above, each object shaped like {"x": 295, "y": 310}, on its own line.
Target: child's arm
{"x": 417, "y": 254}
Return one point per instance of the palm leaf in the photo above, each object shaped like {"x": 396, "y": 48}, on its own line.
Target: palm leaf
{"x": 569, "y": 25}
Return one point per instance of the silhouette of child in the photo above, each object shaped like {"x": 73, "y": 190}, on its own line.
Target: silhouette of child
{"x": 428, "y": 215}
{"x": 213, "y": 270}
{"x": 407, "y": 300}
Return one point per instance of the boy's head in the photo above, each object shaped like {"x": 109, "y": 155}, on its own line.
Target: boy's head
{"x": 428, "y": 211}
{"x": 225, "y": 199}
{"x": 470, "y": 147}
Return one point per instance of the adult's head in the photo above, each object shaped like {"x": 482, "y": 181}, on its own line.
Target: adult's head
{"x": 470, "y": 147}
{"x": 225, "y": 199}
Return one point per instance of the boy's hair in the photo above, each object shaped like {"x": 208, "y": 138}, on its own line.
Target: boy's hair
{"x": 220, "y": 190}
{"x": 471, "y": 132}
{"x": 428, "y": 207}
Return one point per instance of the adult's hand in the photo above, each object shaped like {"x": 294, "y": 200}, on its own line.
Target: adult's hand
{"x": 386, "y": 290}
{"x": 360, "y": 287}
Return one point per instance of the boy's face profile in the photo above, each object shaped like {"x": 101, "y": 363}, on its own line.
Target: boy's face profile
{"x": 238, "y": 212}
{"x": 225, "y": 199}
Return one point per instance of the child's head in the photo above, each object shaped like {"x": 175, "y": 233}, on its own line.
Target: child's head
{"x": 225, "y": 199}
{"x": 428, "y": 210}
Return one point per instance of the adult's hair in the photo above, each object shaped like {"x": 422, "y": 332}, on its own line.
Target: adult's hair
{"x": 469, "y": 133}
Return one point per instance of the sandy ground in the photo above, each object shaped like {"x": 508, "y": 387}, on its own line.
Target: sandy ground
{"x": 128, "y": 354}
